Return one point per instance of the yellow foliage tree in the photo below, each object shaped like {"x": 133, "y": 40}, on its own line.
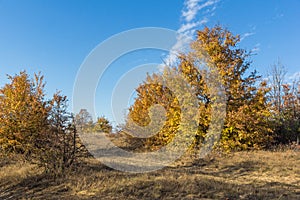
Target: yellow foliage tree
{"x": 23, "y": 112}
{"x": 149, "y": 94}
{"x": 246, "y": 123}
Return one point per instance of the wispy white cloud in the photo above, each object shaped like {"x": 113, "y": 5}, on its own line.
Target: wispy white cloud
{"x": 191, "y": 21}
{"x": 245, "y": 35}
{"x": 256, "y": 48}
{"x": 188, "y": 26}
{"x": 192, "y": 7}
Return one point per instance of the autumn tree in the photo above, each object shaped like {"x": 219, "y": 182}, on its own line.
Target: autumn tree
{"x": 246, "y": 124}
{"x": 23, "y": 112}
{"x": 151, "y": 93}
{"x": 83, "y": 120}
{"x": 290, "y": 113}
{"x": 43, "y": 131}
{"x": 102, "y": 125}
{"x": 284, "y": 98}
{"x": 246, "y": 121}
{"x": 58, "y": 144}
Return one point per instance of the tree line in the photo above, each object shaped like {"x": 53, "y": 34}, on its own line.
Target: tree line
{"x": 260, "y": 111}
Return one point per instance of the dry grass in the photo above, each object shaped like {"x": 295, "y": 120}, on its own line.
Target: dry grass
{"x": 242, "y": 175}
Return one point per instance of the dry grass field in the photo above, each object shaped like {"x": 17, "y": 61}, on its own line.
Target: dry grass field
{"x": 241, "y": 175}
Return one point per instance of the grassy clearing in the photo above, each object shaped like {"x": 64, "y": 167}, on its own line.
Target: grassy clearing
{"x": 241, "y": 175}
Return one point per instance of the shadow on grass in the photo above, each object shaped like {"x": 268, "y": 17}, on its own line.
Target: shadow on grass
{"x": 34, "y": 187}
{"x": 203, "y": 180}
{"x": 211, "y": 168}
{"x": 204, "y": 188}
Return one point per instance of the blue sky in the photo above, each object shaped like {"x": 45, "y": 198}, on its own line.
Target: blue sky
{"x": 55, "y": 36}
